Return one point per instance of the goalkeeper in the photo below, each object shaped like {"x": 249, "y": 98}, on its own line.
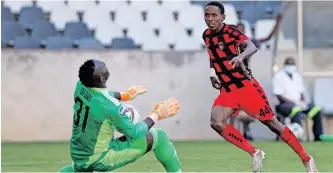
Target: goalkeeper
{"x": 99, "y": 112}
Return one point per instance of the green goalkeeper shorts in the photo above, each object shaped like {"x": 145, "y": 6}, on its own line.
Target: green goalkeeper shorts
{"x": 121, "y": 153}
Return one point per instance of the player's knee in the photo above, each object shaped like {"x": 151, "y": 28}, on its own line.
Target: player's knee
{"x": 274, "y": 125}
{"x": 218, "y": 124}
{"x": 159, "y": 137}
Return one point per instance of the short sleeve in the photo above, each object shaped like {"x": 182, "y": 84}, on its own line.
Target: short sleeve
{"x": 239, "y": 36}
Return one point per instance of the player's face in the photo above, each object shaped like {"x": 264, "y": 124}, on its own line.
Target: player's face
{"x": 213, "y": 17}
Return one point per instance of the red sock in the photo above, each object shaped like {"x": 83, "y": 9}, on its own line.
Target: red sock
{"x": 235, "y": 137}
{"x": 293, "y": 142}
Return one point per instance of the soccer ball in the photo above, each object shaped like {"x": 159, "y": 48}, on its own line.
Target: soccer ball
{"x": 297, "y": 130}
{"x": 132, "y": 113}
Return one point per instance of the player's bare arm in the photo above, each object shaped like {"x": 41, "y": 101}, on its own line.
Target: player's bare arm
{"x": 249, "y": 50}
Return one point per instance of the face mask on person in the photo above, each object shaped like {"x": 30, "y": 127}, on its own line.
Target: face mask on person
{"x": 290, "y": 69}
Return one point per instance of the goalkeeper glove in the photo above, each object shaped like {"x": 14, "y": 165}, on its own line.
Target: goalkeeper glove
{"x": 165, "y": 109}
{"x": 132, "y": 92}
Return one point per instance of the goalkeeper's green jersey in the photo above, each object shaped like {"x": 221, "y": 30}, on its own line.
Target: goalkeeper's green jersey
{"x": 97, "y": 114}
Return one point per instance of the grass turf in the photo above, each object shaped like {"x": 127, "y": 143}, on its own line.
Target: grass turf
{"x": 195, "y": 156}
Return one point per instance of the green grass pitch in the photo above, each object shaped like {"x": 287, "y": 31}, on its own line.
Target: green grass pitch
{"x": 195, "y": 156}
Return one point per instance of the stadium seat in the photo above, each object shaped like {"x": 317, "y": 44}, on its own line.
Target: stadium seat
{"x": 155, "y": 44}
{"x": 10, "y": 30}
{"x": 248, "y": 29}
{"x": 321, "y": 96}
{"x": 171, "y": 32}
{"x": 137, "y": 33}
{"x": 89, "y": 43}
{"x": 51, "y": 6}
{"x": 26, "y": 42}
{"x": 95, "y": 16}
{"x": 176, "y": 5}
{"x": 199, "y": 3}
{"x": 250, "y": 13}
{"x": 190, "y": 17}
{"x": 198, "y": 31}
{"x": 127, "y": 12}
{"x": 262, "y": 29}
{"x": 186, "y": 43}
{"x": 15, "y": 6}
{"x": 158, "y": 17}
{"x": 3, "y": 44}
{"x": 144, "y": 5}
{"x": 6, "y": 14}
{"x": 62, "y": 15}
{"x": 80, "y": 6}
{"x": 43, "y": 29}
{"x": 123, "y": 43}
{"x": 285, "y": 44}
{"x": 105, "y": 33}
{"x": 231, "y": 14}
{"x": 76, "y": 30}
{"x": 112, "y": 5}
{"x": 59, "y": 42}
{"x": 28, "y": 15}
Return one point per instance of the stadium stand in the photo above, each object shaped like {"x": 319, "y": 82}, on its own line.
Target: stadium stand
{"x": 106, "y": 32}
{"x": 6, "y": 14}
{"x": 42, "y": 29}
{"x": 123, "y": 43}
{"x": 59, "y": 42}
{"x": 28, "y": 15}
{"x": 89, "y": 43}
{"x": 10, "y": 30}
{"x": 76, "y": 30}
{"x": 26, "y": 42}
{"x": 16, "y": 6}
{"x": 108, "y": 20}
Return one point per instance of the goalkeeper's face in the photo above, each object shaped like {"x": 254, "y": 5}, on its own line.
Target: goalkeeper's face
{"x": 101, "y": 74}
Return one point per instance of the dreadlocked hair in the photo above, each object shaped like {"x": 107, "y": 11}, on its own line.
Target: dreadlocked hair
{"x": 86, "y": 72}
{"x": 216, "y": 4}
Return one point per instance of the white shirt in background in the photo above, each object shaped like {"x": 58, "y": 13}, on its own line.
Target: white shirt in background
{"x": 290, "y": 88}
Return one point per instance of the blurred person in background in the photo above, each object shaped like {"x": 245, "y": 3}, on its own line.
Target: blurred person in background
{"x": 288, "y": 87}
{"x": 242, "y": 117}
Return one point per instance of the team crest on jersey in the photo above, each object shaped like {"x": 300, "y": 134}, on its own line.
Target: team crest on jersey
{"x": 122, "y": 110}
{"x": 221, "y": 45}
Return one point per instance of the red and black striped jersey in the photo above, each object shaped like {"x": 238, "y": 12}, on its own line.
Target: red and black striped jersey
{"x": 222, "y": 46}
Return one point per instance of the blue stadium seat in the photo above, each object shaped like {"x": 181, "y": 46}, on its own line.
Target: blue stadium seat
{"x": 89, "y": 43}
{"x": 251, "y": 13}
{"x": 10, "y": 30}
{"x": 28, "y": 15}
{"x": 6, "y": 14}
{"x": 123, "y": 43}
{"x": 76, "y": 30}
{"x": 59, "y": 42}
{"x": 26, "y": 42}
{"x": 42, "y": 29}
{"x": 3, "y": 44}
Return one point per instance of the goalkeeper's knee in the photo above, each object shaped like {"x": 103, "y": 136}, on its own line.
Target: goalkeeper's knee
{"x": 161, "y": 142}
